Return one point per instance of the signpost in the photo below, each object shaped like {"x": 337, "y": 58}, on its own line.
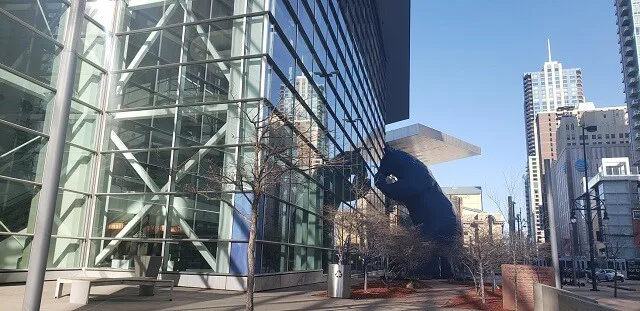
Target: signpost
{"x": 522, "y": 278}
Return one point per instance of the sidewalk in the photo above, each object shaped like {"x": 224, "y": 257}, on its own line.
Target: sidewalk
{"x": 626, "y": 300}
{"x": 295, "y": 298}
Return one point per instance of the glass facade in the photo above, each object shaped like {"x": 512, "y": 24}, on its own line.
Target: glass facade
{"x": 159, "y": 95}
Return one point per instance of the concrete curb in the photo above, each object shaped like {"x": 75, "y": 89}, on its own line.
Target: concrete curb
{"x": 623, "y": 288}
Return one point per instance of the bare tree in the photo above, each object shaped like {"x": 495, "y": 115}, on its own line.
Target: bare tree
{"x": 406, "y": 250}
{"x": 616, "y": 244}
{"x": 483, "y": 253}
{"x": 274, "y": 147}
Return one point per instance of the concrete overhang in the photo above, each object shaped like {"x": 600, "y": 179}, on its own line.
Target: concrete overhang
{"x": 395, "y": 28}
{"x": 430, "y": 146}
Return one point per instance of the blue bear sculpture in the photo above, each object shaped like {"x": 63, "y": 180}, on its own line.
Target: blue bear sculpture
{"x": 405, "y": 179}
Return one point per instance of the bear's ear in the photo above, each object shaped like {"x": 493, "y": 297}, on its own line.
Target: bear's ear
{"x": 387, "y": 149}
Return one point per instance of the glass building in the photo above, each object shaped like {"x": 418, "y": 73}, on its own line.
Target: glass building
{"x": 159, "y": 94}
{"x": 554, "y": 87}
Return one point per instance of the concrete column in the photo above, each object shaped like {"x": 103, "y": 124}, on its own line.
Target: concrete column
{"x": 53, "y": 160}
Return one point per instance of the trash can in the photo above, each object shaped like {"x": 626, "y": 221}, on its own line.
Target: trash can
{"x": 339, "y": 281}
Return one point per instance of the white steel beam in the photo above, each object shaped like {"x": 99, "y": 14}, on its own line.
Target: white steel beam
{"x": 111, "y": 246}
{"x": 153, "y": 36}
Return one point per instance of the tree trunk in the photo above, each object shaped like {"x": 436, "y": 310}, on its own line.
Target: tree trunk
{"x": 366, "y": 278}
{"x": 251, "y": 256}
{"x": 493, "y": 283}
{"x": 615, "y": 283}
{"x": 482, "y": 284}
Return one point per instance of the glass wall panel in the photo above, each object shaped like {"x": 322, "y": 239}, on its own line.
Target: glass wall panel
{"x": 153, "y": 87}
{"x": 25, "y": 103}
{"x": 88, "y": 83}
{"x": 83, "y": 122}
{"x": 140, "y": 15}
{"x": 121, "y": 257}
{"x": 140, "y": 216}
{"x": 30, "y": 53}
{"x": 101, "y": 11}
{"x": 18, "y": 203}
{"x": 187, "y": 257}
{"x": 65, "y": 253}
{"x": 48, "y": 16}
{"x": 22, "y": 154}
{"x": 93, "y": 42}
{"x": 14, "y": 251}
{"x": 135, "y": 172}
{"x": 76, "y": 169}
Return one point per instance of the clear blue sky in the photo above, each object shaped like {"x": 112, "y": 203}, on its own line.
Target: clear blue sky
{"x": 467, "y": 61}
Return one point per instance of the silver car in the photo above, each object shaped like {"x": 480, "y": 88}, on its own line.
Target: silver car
{"x": 608, "y": 275}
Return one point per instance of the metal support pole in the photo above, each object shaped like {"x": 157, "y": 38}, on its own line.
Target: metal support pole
{"x": 594, "y": 287}
{"x": 53, "y": 161}
{"x": 574, "y": 248}
{"x": 552, "y": 226}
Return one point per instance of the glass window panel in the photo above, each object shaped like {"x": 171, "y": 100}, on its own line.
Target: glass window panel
{"x": 53, "y": 21}
{"x": 209, "y": 82}
{"x": 195, "y": 168}
{"x": 135, "y": 172}
{"x": 82, "y": 125}
{"x": 194, "y": 215}
{"x": 254, "y": 34}
{"x": 69, "y": 218}
{"x": 186, "y": 257}
{"x": 203, "y": 125}
{"x": 29, "y": 54}
{"x": 76, "y": 169}
{"x": 121, "y": 257}
{"x": 139, "y": 15}
{"x": 140, "y": 129}
{"x": 273, "y": 258}
{"x": 22, "y": 154}
{"x": 273, "y": 220}
{"x": 65, "y": 253}
{"x": 17, "y": 202}
{"x": 15, "y": 252}
{"x": 102, "y": 11}
{"x": 25, "y": 103}
{"x": 210, "y": 41}
{"x": 154, "y": 87}
{"x": 130, "y": 216}
{"x": 92, "y": 43}
{"x": 88, "y": 83}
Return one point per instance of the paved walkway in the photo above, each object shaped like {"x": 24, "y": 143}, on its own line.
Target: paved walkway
{"x": 118, "y": 297}
{"x": 626, "y": 300}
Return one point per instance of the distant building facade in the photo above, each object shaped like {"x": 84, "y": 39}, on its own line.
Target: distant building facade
{"x": 546, "y": 90}
{"x": 473, "y": 219}
{"x": 628, "y": 22}
{"x": 611, "y": 140}
{"x": 614, "y": 189}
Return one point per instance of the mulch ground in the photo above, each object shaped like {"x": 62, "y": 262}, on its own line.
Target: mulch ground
{"x": 471, "y": 301}
{"x": 379, "y": 289}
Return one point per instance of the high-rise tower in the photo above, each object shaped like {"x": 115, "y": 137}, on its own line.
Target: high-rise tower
{"x": 629, "y": 31}
{"x": 547, "y": 90}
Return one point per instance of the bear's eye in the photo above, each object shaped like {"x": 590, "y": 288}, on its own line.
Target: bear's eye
{"x": 391, "y": 179}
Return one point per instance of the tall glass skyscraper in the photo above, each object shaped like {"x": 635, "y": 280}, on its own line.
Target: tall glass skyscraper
{"x": 628, "y": 22}
{"x": 159, "y": 92}
{"x": 547, "y": 90}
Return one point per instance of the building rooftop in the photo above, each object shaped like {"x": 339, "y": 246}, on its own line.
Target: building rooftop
{"x": 430, "y": 146}
{"x": 462, "y": 190}
{"x": 395, "y": 17}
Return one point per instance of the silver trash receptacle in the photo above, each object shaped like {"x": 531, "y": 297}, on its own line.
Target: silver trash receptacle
{"x": 339, "y": 281}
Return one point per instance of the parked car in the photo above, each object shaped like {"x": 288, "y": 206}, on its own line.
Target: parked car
{"x": 608, "y": 275}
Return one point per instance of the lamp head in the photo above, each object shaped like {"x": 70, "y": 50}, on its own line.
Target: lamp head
{"x": 591, "y": 128}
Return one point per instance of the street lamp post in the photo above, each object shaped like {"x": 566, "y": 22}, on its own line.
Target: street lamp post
{"x": 586, "y": 128}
